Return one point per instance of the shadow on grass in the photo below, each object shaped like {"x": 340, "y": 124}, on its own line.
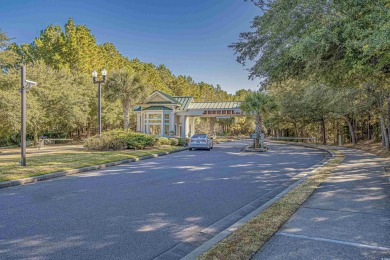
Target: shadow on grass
{"x": 38, "y": 164}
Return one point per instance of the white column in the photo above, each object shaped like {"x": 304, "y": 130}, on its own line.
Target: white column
{"x": 162, "y": 123}
{"x": 183, "y": 126}
{"x": 146, "y": 128}
{"x": 187, "y": 126}
{"x": 139, "y": 122}
{"x": 142, "y": 123}
{"x": 172, "y": 122}
{"x": 193, "y": 125}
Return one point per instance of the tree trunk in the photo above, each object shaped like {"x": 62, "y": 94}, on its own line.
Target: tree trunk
{"x": 213, "y": 120}
{"x": 35, "y": 136}
{"x": 126, "y": 109}
{"x": 369, "y": 127}
{"x": 323, "y": 131}
{"x": 351, "y": 129}
{"x": 259, "y": 123}
{"x": 88, "y": 130}
{"x": 385, "y": 137}
{"x": 295, "y": 129}
{"x": 388, "y": 121}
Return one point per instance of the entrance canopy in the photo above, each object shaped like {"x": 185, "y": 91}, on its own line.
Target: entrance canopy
{"x": 166, "y": 115}
{"x": 185, "y": 105}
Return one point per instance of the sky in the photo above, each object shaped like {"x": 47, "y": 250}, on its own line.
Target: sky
{"x": 189, "y": 36}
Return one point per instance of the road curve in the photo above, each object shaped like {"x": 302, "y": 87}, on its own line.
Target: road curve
{"x": 142, "y": 210}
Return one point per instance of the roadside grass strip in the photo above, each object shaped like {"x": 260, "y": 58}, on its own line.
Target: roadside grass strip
{"x": 62, "y": 160}
{"x": 244, "y": 242}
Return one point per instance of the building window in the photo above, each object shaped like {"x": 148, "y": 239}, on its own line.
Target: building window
{"x": 154, "y": 118}
{"x": 153, "y": 123}
{"x": 155, "y": 129}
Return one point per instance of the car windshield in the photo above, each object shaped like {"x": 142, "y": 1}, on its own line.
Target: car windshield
{"x": 199, "y": 136}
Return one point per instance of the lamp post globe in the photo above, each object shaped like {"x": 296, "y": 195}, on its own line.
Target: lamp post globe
{"x": 94, "y": 75}
{"x": 104, "y": 74}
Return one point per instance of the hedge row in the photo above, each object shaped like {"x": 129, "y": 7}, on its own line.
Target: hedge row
{"x": 120, "y": 140}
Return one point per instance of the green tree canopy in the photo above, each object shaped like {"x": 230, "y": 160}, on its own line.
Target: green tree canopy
{"x": 126, "y": 86}
{"x": 258, "y": 105}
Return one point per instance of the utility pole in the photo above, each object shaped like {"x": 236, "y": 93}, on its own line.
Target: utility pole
{"x": 24, "y": 85}
{"x": 23, "y": 128}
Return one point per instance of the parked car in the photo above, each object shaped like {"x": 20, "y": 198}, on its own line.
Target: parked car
{"x": 200, "y": 141}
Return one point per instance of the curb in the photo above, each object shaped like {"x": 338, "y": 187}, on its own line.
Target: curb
{"x": 223, "y": 234}
{"x": 247, "y": 149}
{"x": 53, "y": 175}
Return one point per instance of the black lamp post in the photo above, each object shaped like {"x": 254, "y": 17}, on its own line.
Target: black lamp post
{"x": 94, "y": 76}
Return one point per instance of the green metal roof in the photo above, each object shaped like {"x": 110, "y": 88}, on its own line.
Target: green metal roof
{"x": 157, "y": 108}
{"x": 184, "y": 101}
{"x": 215, "y": 105}
{"x": 187, "y": 102}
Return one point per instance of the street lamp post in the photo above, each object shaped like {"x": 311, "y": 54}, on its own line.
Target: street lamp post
{"x": 24, "y": 85}
{"x": 23, "y": 119}
{"x": 94, "y": 77}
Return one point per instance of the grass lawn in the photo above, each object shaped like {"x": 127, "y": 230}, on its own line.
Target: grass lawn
{"x": 60, "y": 160}
{"x": 250, "y": 237}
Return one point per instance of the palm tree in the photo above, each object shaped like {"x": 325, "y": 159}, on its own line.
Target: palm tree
{"x": 259, "y": 105}
{"x": 126, "y": 86}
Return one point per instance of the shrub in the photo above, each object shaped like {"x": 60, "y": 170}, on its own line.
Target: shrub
{"x": 139, "y": 140}
{"x": 105, "y": 143}
{"x": 174, "y": 141}
{"x": 119, "y": 140}
{"x": 182, "y": 141}
{"x": 162, "y": 141}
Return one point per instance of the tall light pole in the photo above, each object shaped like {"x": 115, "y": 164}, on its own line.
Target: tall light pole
{"x": 94, "y": 77}
{"x": 24, "y": 85}
{"x": 23, "y": 119}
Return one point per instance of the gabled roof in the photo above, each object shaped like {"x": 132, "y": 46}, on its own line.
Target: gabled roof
{"x": 168, "y": 98}
{"x": 157, "y": 108}
{"x": 215, "y": 105}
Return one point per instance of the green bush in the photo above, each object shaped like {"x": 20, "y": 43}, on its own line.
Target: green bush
{"x": 162, "y": 141}
{"x": 105, "y": 143}
{"x": 139, "y": 140}
{"x": 183, "y": 141}
{"x": 174, "y": 141}
{"x": 119, "y": 140}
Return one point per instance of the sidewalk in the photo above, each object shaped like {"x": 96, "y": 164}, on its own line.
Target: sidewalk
{"x": 347, "y": 217}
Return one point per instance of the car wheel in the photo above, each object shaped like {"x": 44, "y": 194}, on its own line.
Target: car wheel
{"x": 190, "y": 149}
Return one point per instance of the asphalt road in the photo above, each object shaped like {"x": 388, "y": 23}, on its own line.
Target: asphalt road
{"x": 146, "y": 209}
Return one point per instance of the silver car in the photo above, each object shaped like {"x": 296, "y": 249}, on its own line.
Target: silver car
{"x": 200, "y": 141}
